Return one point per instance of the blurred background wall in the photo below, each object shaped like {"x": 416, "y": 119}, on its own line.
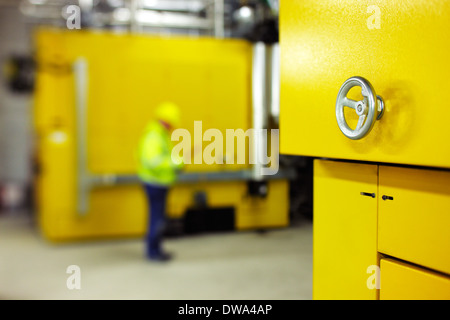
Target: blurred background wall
{"x": 15, "y": 111}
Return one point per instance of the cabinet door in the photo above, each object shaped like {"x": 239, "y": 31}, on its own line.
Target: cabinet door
{"x": 414, "y": 222}
{"x": 344, "y": 230}
{"x": 401, "y": 47}
{"x": 401, "y": 281}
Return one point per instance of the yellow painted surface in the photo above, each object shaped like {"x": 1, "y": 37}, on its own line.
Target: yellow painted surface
{"x": 401, "y": 281}
{"x": 269, "y": 212}
{"x": 250, "y": 212}
{"x": 415, "y": 225}
{"x": 110, "y": 218}
{"x": 323, "y": 43}
{"x": 344, "y": 230}
{"x": 129, "y": 75}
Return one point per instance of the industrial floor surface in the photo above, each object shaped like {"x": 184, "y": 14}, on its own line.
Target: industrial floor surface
{"x": 218, "y": 266}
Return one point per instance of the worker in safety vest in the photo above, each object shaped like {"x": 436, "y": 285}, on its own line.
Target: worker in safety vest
{"x": 158, "y": 171}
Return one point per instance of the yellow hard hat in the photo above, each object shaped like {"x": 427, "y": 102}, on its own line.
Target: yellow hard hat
{"x": 169, "y": 112}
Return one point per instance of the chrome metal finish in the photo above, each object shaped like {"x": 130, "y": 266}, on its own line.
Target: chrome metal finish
{"x": 259, "y": 107}
{"x": 380, "y": 107}
{"x": 194, "y": 177}
{"x": 274, "y": 84}
{"x": 81, "y": 92}
{"x": 134, "y": 6}
{"x": 219, "y": 23}
{"x": 370, "y": 109}
{"x": 193, "y": 17}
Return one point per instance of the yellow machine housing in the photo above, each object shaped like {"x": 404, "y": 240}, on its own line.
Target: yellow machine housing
{"x": 405, "y": 59}
{"x": 386, "y": 196}
{"x": 128, "y": 76}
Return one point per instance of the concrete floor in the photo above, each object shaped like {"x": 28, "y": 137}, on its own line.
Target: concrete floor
{"x": 221, "y": 266}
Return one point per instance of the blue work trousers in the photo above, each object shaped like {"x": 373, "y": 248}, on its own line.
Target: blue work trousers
{"x": 156, "y": 197}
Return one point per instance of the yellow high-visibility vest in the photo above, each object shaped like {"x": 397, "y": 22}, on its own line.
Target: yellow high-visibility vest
{"x": 155, "y": 163}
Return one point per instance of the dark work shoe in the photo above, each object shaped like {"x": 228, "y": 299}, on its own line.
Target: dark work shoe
{"x": 162, "y": 257}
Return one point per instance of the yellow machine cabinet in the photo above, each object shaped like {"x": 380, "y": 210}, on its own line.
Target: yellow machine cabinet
{"x": 365, "y": 211}
{"x": 402, "y": 281}
{"x": 414, "y": 216}
{"x": 96, "y": 92}
{"x": 361, "y": 82}
{"x": 401, "y": 48}
{"x": 344, "y": 230}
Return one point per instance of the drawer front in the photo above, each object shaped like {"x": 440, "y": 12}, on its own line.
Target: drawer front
{"x": 344, "y": 230}
{"x": 401, "y": 281}
{"x": 415, "y": 224}
{"x": 405, "y": 58}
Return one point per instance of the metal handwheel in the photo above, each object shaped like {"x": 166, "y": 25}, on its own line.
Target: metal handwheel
{"x": 370, "y": 109}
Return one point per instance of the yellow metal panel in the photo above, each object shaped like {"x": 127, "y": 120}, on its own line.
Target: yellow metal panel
{"x": 272, "y": 211}
{"x": 128, "y": 217}
{"x": 344, "y": 230}
{"x": 115, "y": 212}
{"x": 323, "y": 43}
{"x": 128, "y": 76}
{"x": 401, "y": 281}
{"x": 222, "y": 194}
{"x": 415, "y": 225}
{"x": 250, "y": 212}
